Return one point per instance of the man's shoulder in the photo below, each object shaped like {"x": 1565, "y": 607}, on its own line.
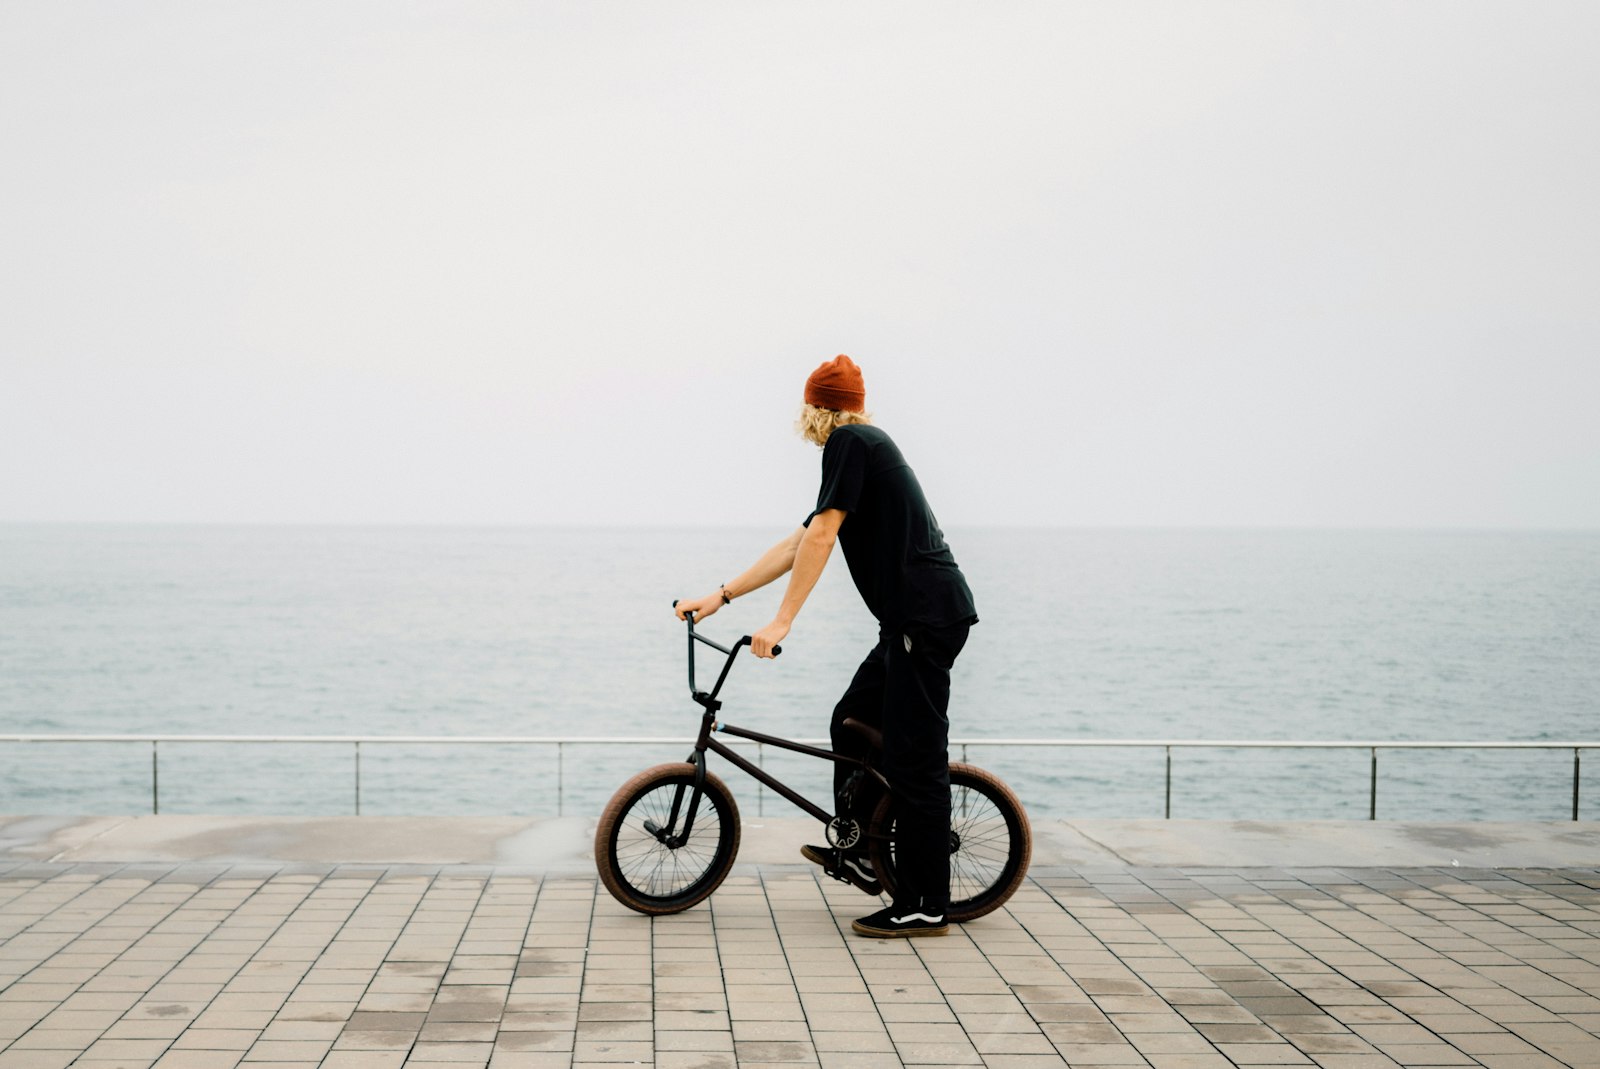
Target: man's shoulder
{"x": 867, "y": 434}
{"x": 864, "y": 444}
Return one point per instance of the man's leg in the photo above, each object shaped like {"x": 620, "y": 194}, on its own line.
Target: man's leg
{"x": 863, "y": 700}
{"x": 916, "y": 738}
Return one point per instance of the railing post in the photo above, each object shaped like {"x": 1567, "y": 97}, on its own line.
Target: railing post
{"x": 358, "y": 777}
{"x": 1372, "y": 802}
{"x": 761, "y": 788}
{"x": 560, "y": 779}
{"x": 155, "y": 781}
{"x": 1576, "y": 768}
{"x": 1167, "y": 815}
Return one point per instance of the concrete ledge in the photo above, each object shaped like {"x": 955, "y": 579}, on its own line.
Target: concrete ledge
{"x": 564, "y": 844}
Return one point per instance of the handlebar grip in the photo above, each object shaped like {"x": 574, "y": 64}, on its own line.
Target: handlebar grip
{"x": 745, "y": 641}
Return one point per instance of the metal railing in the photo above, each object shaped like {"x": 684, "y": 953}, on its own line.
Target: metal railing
{"x": 677, "y": 743}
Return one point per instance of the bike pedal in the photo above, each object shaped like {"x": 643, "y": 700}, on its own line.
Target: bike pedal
{"x": 834, "y": 866}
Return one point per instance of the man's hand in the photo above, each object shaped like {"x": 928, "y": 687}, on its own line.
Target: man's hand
{"x": 762, "y": 641}
{"x": 701, "y": 607}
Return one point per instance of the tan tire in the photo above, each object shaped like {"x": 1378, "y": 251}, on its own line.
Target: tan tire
{"x": 648, "y": 874}
{"x": 991, "y": 842}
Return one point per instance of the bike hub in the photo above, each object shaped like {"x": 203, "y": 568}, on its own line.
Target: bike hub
{"x": 671, "y": 842}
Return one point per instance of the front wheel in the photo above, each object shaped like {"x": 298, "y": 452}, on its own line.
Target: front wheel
{"x": 990, "y": 842}
{"x": 645, "y": 861}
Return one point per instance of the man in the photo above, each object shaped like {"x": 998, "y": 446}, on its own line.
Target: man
{"x": 871, "y": 502}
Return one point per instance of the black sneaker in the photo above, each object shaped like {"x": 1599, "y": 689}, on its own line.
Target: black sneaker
{"x": 890, "y": 923}
{"x": 854, "y": 868}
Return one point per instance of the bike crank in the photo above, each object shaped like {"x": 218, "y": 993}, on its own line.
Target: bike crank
{"x": 843, "y": 832}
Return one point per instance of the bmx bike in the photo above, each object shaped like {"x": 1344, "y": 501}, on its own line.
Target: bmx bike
{"x": 668, "y": 837}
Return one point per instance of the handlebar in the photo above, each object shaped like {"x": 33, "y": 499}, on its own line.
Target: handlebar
{"x": 732, "y": 652}
{"x": 744, "y": 641}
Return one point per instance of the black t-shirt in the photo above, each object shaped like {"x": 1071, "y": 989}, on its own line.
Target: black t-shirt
{"x": 897, "y": 555}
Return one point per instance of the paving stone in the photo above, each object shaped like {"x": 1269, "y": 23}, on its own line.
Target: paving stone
{"x": 701, "y": 1041}
{"x": 199, "y": 1059}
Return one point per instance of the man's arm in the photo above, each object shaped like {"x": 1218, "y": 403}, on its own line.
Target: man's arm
{"x": 773, "y": 563}
{"x": 810, "y": 557}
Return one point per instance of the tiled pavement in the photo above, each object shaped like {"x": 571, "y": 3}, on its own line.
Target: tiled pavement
{"x": 196, "y": 967}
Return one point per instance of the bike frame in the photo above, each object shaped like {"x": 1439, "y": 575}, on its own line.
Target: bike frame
{"x": 705, "y": 741}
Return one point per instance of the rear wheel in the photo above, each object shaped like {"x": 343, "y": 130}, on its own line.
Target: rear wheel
{"x": 648, "y": 870}
{"x": 990, "y": 842}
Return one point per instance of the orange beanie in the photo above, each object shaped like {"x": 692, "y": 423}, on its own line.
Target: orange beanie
{"x": 837, "y": 384}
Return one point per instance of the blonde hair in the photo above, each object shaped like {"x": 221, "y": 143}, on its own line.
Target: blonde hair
{"x": 816, "y": 424}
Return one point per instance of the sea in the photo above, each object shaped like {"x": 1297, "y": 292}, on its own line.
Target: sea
{"x": 1137, "y": 634}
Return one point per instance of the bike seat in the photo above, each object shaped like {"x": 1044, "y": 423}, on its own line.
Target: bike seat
{"x": 873, "y": 736}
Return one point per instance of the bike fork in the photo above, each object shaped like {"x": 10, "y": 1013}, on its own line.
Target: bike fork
{"x": 666, "y": 836}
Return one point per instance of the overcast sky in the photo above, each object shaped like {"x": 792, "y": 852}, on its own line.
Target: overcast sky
{"x": 1274, "y": 263}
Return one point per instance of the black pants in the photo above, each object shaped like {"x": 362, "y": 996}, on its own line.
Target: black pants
{"x": 903, "y": 689}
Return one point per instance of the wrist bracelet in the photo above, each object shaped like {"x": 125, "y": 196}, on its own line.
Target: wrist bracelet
{"x": 726, "y": 600}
